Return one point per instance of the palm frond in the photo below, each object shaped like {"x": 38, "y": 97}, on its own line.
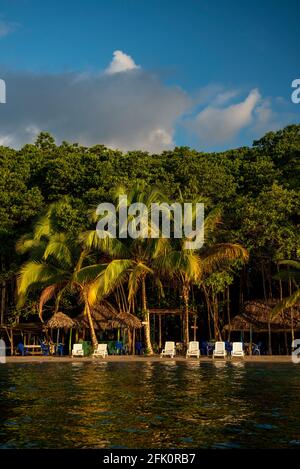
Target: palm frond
{"x": 26, "y": 243}
{"x": 47, "y": 294}
{"x": 88, "y": 273}
{"x": 34, "y": 273}
{"x": 286, "y": 303}
{"x": 111, "y": 246}
{"x": 114, "y": 274}
{"x": 60, "y": 248}
{"x": 220, "y": 254}
{"x": 292, "y": 263}
{"x": 212, "y": 221}
{"x": 137, "y": 274}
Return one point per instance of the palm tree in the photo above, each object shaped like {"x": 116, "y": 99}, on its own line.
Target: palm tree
{"x": 190, "y": 266}
{"x": 131, "y": 259}
{"x": 55, "y": 265}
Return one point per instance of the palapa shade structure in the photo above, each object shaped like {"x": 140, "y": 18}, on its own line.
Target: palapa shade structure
{"x": 105, "y": 317}
{"x": 60, "y": 321}
{"x": 124, "y": 319}
{"x": 258, "y": 316}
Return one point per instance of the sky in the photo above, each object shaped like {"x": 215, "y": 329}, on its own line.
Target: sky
{"x": 148, "y": 74}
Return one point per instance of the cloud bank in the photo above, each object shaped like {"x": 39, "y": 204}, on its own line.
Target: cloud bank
{"x": 124, "y": 107}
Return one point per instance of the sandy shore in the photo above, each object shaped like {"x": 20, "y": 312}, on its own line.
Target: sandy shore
{"x": 141, "y": 359}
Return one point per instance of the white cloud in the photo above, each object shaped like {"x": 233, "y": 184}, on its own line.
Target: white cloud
{"x": 122, "y": 110}
{"x": 121, "y": 62}
{"x": 216, "y": 125}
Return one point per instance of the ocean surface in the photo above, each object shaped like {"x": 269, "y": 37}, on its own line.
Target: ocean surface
{"x": 150, "y": 405}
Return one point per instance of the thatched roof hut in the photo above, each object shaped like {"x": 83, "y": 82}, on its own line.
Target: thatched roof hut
{"x": 60, "y": 321}
{"x": 258, "y": 314}
{"x": 106, "y": 317}
{"x": 124, "y": 319}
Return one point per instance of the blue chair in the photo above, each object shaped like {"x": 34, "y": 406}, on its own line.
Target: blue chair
{"x": 228, "y": 347}
{"x": 21, "y": 349}
{"x": 45, "y": 349}
{"x": 210, "y": 348}
{"x": 119, "y": 347}
{"x": 60, "y": 349}
{"x": 139, "y": 348}
{"x": 203, "y": 347}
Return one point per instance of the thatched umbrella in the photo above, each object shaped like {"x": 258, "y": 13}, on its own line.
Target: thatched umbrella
{"x": 257, "y": 317}
{"x": 124, "y": 319}
{"x": 61, "y": 321}
{"x": 106, "y": 317}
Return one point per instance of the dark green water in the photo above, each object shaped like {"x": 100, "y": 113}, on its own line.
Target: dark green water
{"x": 158, "y": 405}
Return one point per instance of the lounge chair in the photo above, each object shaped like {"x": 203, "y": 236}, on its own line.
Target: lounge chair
{"x": 77, "y": 350}
{"x": 193, "y": 349}
{"x": 101, "y": 351}
{"x": 237, "y": 349}
{"x": 168, "y": 350}
{"x": 219, "y": 350}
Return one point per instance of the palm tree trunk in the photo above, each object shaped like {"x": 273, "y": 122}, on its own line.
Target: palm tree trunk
{"x": 91, "y": 324}
{"x": 292, "y": 312}
{"x": 146, "y": 320}
{"x": 228, "y": 313}
{"x": 185, "y": 297}
{"x": 3, "y": 298}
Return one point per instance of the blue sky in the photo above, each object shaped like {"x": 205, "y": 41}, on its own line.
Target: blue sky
{"x": 208, "y": 74}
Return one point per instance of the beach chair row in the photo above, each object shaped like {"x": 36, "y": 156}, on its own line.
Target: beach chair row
{"x": 194, "y": 350}
{"x": 170, "y": 350}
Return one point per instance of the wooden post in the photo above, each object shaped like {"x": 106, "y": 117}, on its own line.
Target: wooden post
{"x": 269, "y": 336}
{"x": 250, "y": 347}
{"x": 70, "y": 341}
{"x": 133, "y": 341}
{"x": 286, "y": 343}
{"x": 153, "y": 333}
{"x": 159, "y": 332}
{"x": 195, "y": 327}
{"x": 182, "y": 327}
{"x": 2, "y": 302}
{"x": 11, "y": 341}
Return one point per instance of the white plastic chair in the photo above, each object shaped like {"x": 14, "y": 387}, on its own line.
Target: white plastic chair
{"x": 77, "y": 350}
{"x": 237, "y": 349}
{"x": 168, "y": 350}
{"x": 193, "y": 349}
{"x": 101, "y": 351}
{"x": 219, "y": 350}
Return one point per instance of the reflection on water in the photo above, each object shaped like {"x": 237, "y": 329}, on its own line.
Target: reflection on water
{"x": 136, "y": 405}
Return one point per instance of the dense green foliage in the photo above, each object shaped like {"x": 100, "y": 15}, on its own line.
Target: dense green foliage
{"x": 257, "y": 190}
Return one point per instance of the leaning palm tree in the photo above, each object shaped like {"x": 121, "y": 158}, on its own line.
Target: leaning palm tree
{"x": 56, "y": 264}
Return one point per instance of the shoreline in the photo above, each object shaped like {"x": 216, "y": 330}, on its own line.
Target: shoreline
{"x": 145, "y": 359}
